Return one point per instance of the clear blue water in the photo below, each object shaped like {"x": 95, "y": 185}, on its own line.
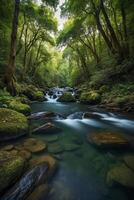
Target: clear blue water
{"x": 81, "y": 174}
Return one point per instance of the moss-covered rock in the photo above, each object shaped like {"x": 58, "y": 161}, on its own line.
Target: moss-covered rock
{"x": 12, "y": 124}
{"x": 67, "y": 97}
{"x": 33, "y": 93}
{"x": 11, "y": 168}
{"x": 91, "y": 97}
{"x": 20, "y": 107}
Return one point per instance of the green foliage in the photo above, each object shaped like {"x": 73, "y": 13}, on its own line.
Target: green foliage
{"x": 91, "y": 97}
{"x": 67, "y": 97}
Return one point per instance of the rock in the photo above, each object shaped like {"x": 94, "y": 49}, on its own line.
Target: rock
{"x": 20, "y": 107}
{"x": 52, "y": 138}
{"x": 33, "y": 93}
{"x": 27, "y": 183}
{"x": 25, "y": 154}
{"x": 12, "y": 124}
{"x": 33, "y": 145}
{"x": 122, "y": 175}
{"x": 8, "y": 147}
{"x": 44, "y": 115}
{"x": 46, "y": 128}
{"x": 91, "y": 97}
{"x": 76, "y": 115}
{"x": 48, "y": 159}
{"x": 66, "y": 97}
{"x": 91, "y": 115}
{"x": 55, "y": 148}
{"x": 129, "y": 161}
{"x": 14, "y": 152}
{"x": 40, "y": 193}
{"x": 108, "y": 140}
{"x": 11, "y": 168}
{"x": 71, "y": 147}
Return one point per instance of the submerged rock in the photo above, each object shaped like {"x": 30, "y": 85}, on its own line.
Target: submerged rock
{"x": 52, "y": 164}
{"x": 44, "y": 115}
{"x": 46, "y": 128}
{"x": 71, "y": 147}
{"x": 108, "y": 140}
{"x": 129, "y": 161}
{"x": 27, "y": 183}
{"x": 55, "y": 148}
{"x": 12, "y": 124}
{"x": 122, "y": 175}
{"x": 33, "y": 145}
{"x": 67, "y": 97}
{"x": 40, "y": 193}
{"x": 11, "y": 168}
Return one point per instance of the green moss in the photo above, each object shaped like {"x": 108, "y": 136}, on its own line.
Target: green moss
{"x": 20, "y": 107}
{"x": 12, "y": 124}
{"x": 11, "y": 168}
{"x": 67, "y": 97}
{"x": 33, "y": 93}
{"x": 91, "y": 97}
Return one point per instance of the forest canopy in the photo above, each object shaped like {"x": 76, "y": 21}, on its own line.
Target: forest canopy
{"x": 95, "y": 46}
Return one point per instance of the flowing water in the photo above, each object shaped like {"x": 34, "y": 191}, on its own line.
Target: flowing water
{"x": 82, "y": 173}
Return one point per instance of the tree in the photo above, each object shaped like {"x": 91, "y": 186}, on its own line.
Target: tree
{"x": 9, "y": 76}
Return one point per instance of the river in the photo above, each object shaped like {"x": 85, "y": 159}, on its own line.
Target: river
{"x": 82, "y": 173}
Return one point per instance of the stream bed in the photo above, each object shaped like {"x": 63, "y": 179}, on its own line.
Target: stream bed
{"x": 82, "y": 173}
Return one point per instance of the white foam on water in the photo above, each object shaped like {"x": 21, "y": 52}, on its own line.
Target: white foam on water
{"x": 125, "y": 123}
{"x": 91, "y": 122}
{"x": 75, "y": 123}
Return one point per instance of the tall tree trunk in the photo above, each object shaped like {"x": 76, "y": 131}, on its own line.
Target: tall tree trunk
{"x": 100, "y": 28}
{"x": 9, "y": 80}
{"x": 124, "y": 22}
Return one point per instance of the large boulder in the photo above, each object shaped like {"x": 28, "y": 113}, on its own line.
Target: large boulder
{"x": 29, "y": 181}
{"x": 91, "y": 97}
{"x": 52, "y": 163}
{"x": 44, "y": 115}
{"x": 67, "y": 97}
{"x": 33, "y": 93}
{"x": 46, "y": 128}
{"x": 12, "y": 124}
{"x": 108, "y": 140}
{"x": 11, "y": 168}
{"x": 33, "y": 145}
{"x": 20, "y": 107}
{"x": 121, "y": 175}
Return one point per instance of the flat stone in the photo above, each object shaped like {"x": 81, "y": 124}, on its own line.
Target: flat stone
{"x": 108, "y": 140}
{"x": 33, "y": 145}
{"x": 129, "y": 161}
{"x": 122, "y": 175}
{"x": 55, "y": 148}
{"x": 71, "y": 147}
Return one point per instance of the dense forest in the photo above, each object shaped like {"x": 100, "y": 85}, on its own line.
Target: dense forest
{"x": 78, "y": 54}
